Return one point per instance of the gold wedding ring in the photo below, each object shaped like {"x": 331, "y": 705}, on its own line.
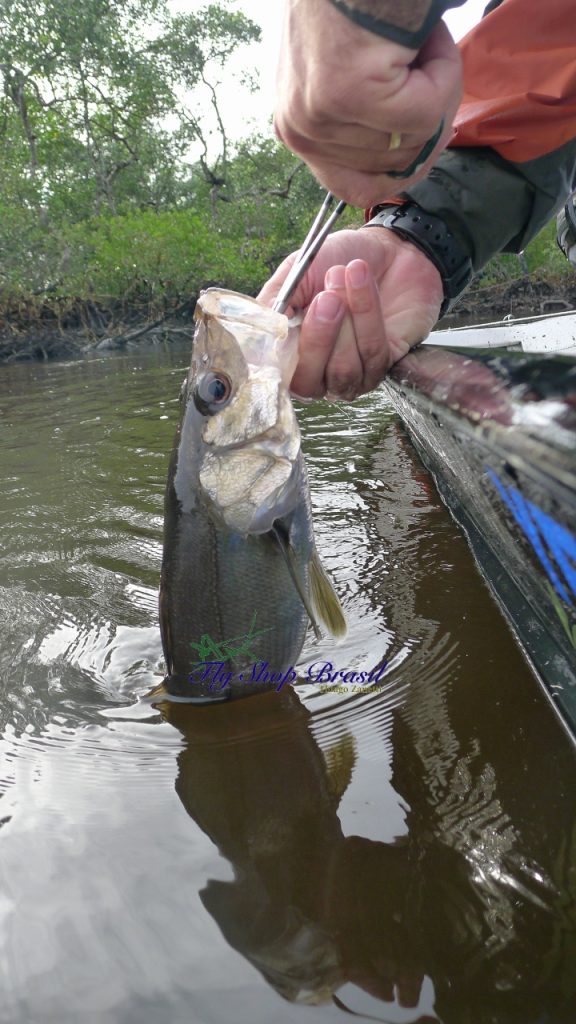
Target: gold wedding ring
{"x": 395, "y": 140}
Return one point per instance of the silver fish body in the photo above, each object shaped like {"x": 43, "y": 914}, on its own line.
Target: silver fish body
{"x": 238, "y": 536}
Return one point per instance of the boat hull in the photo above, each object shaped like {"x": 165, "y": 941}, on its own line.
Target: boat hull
{"x": 499, "y": 435}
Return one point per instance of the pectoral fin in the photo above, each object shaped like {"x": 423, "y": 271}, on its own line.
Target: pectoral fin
{"x": 290, "y": 559}
{"x": 323, "y": 602}
{"x": 165, "y": 632}
{"x": 325, "y": 599}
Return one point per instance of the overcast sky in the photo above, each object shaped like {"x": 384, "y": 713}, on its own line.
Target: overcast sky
{"x": 268, "y": 14}
{"x": 244, "y": 113}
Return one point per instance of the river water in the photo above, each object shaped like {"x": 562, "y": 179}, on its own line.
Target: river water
{"x": 406, "y": 853}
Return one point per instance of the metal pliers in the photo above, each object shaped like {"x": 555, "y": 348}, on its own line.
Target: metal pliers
{"x": 320, "y": 229}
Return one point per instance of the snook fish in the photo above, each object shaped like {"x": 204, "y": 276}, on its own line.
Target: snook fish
{"x": 241, "y": 578}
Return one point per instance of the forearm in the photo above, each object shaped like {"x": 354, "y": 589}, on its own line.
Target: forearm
{"x": 407, "y": 22}
{"x": 493, "y": 205}
{"x": 512, "y": 161}
{"x": 519, "y": 67}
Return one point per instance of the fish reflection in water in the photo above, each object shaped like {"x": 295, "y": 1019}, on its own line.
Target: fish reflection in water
{"x": 326, "y": 916}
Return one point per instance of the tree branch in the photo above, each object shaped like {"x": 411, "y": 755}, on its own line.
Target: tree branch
{"x": 14, "y": 84}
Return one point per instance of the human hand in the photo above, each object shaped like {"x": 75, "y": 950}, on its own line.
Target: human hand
{"x": 369, "y": 296}
{"x": 347, "y": 97}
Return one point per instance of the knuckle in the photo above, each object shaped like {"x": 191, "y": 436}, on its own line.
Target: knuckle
{"x": 292, "y": 127}
{"x": 373, "y": 353}
{"x": 322, "y": 102}
{"x": 343, "y": 377}
{"x": 302, "y": 387}
{"x": 374, "y": 373}
{"x": 319, "y": 343}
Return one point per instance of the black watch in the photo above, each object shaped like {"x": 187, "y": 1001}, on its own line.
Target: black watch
{"x": 433, "y": 237}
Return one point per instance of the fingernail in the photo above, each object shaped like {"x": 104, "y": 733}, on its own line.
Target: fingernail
{"x": 335, "y": 277}
{"x": 328, "y": 307}
{"x": 357, "y": 273}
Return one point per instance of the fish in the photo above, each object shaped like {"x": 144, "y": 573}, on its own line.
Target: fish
{"x": 241, "y": 579}
{"x": 255, "y": 778}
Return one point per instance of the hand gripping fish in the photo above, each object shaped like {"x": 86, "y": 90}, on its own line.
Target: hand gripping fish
{"x": 241, "y": 578}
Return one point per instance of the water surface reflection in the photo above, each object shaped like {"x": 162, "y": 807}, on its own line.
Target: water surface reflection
{"x": 407, "y": 854}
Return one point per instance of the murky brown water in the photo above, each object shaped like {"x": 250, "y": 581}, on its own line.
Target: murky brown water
{"x": 407, "y": 854}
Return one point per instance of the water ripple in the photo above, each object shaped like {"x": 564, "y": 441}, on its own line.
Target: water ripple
{"x": 408, "y": 847}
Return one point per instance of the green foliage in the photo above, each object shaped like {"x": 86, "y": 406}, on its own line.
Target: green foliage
{"x": 271, "y": 197}
{"x": 87, "y": 92}
{"x": 156, "y": 258}
{"x": 541, "y": 256}
{"x": 233, "y": 236}
{"x": 543, "y": 253}
{"x": 156, "y": 245}
{"x": 100, "y": 200}
{"x": 96, "y": 121}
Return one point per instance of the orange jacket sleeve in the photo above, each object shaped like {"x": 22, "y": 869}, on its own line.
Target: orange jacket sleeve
{"x": 520, "y": 80}
{"x": 512, "y": 161}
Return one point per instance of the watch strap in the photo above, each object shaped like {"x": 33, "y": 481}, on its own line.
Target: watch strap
{"x": 433, "y": 237}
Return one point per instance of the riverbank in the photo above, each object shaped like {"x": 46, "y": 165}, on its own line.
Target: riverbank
{"x": 70, "y": 328}
{"x": 530, "y": 295}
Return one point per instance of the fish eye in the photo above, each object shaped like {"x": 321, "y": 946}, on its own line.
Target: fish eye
{"x": 212, "y": 391}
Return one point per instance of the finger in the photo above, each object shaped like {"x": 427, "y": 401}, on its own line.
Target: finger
{"x": 364, "y": 304}
{"x": 355, "y": 153}
{"x": 354, "y": 135}
{"x": 364, "y": 190}
{"x": 344, "y": 369}
{"x": 317, "y": 338}
{"x": 343, "y": 373}
{"x": 361, "y": 187}
{"x": 431, "y": 91}
{"x": 408, "y": 987}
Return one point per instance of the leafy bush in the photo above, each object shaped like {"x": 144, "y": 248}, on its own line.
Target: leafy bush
{"x": 541, "y": 255}
{"x": 157, "y": 257}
